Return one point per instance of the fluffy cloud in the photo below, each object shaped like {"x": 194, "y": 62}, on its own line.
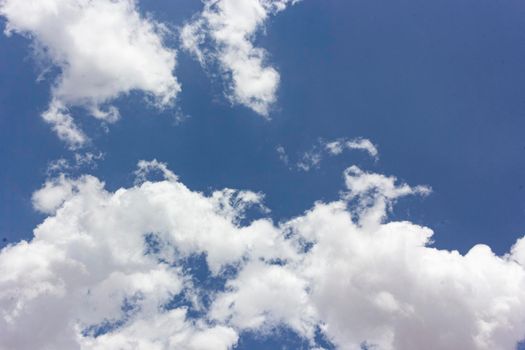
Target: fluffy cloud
{"x": 222, "y": 34}
{"x": 169, "y": 330}
{"x": 103, "y": 48}
{"x": 105, "y": 270}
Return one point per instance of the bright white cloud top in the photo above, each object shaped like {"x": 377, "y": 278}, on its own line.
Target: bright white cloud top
{"x": 223, "y": 35}
{"x": 103, "y": 270}
{"x": 103, "y": 48}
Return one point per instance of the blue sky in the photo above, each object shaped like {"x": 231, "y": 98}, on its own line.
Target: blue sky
{"x": 436, "y": 86}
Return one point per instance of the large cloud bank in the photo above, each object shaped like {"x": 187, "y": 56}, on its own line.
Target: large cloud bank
{"x": 106, "y": 270}
{"x": 222, "y": 34}
{"x": 103, "y": 49}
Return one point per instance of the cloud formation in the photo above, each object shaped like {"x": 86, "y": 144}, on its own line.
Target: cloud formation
{"x": 222, "y": 34}
{"x": 103, "y": 49}
{"x": 107, "y": 270}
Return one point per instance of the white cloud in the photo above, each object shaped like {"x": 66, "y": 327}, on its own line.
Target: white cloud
{"x": 312, "y": 159}
{"x": 89, "y": 257}
{"x": 169, "y": 330}
{"x": 375, "y": 194}
{"x": 103, "y": 48}
{"x": 337, "y": 147}
{"x": 386, "y": 287}
{"x": 54, "y": 193}
{"x": 222, "y": 34}
{"x": 363, "y": 144}
{"x": 90, "y": 278}
{"x": 145, "y": 168}
{"x": 265, "y": 296}
{"x": 64, "y": 125}
{"x": 88, "y": 159}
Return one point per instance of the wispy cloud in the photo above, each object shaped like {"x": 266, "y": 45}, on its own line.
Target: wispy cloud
{"x": 338, "y": 146}
{"x": 312, "y": 158}
{"x": 283, "y": 157}
{"x": 79, "y": 162}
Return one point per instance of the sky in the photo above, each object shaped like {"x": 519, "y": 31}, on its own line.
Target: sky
{"x": 262, "y": 174}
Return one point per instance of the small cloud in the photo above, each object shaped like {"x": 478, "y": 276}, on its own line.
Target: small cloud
{"x": 58, "y": 166}
{"x": 103, "y": 49}
{"x": 80, "y": 161}
{"x": 365, "y": 145}
{"x": 282, "y": 154}
{"x": 64, "y": 126}
{"x": 337, "y": 147}
{"x": 180, "y": 117}
{"x": 222, "y": 35}
{"x": 145, "y": 168}
{"x": 312, "y": 159}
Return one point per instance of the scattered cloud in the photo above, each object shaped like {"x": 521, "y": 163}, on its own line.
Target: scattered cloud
{"x": 79, "y": 161}
{"x": 337, "y": 147}
{"x": 283, "y": 157}
{"x": 103, "y": 48}
{"x": 222, "y": 34}
{"x": 88, "y": 159}
{"x": 312, "y": 159}
{"x": 64, "y": 125}
{"x": 180, "y": 117}
{"x": 105, "y": 270}
{"x": 145, "y": 168}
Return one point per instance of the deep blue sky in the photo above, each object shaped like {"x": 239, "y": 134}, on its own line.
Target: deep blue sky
{"x": 438, "y": 86}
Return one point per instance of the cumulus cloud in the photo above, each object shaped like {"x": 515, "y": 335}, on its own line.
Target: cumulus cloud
{"x": 103, "y": 48}
{"x": 107, "y": 269}
{"x": 222, "y": 34}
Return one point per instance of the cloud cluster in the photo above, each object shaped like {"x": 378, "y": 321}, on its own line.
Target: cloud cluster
{"x": 103, "y": 49}
{"x": 222, "y": 34}
{"x": 107, "y": 270}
